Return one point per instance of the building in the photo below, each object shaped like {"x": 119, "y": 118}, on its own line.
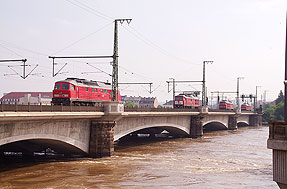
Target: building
{"x": 133, "y": 99}
{"x": 141, "y": 102}
{"x": 168, "y": 104}
{"x": 27, "y": 97}
{"x": 148, "y": 102}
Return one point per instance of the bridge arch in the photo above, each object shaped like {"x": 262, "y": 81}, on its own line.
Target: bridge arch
{"x": 32, "y": 142}
{"x": 214, "y": 125}
{"x": 242, "y": 123}
{"x": 71, "y": 135}
{"x": 172, "y": 128}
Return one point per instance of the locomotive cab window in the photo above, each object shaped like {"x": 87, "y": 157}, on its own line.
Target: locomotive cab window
{"x": 86, "y": 89}
{"x": 72, "y": 87}
{"x": 57, "y": 86}
{"x": 65, "y": 86}
{"x": 181, "y": 98}
{"x": 96, "y": 90}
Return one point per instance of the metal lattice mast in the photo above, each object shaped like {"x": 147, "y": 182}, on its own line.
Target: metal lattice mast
{"x": 237, "y": 93}
{"x": 203, "y": 83}
{"x": 285, "y": 82}
{"x": 24, "y": 67}
{"x": 115, "y": 74}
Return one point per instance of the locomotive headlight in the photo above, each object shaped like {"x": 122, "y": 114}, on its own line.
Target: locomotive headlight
{"x": 180, "y": 102}
{"x": 56, "y": 95}
{"x": 176, "y": 102}
{"x": 65, "y": 95}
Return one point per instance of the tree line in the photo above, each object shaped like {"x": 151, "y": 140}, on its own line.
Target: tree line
{"x": 274, "y": 111}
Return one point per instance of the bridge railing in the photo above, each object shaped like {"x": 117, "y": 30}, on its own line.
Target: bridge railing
{"x": 219, "y": 110}
{"x": 160, "y": 110}
{"x": 49, "y": 108}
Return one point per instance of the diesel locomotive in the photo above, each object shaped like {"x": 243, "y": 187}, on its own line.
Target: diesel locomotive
{"x": 75, "y": 91}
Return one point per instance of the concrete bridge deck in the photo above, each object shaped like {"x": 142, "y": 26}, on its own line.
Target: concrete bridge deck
{"x": 94, "y": 133}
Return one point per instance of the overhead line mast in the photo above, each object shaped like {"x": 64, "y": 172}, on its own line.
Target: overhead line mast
{"x": 115, "y": 74}
{"x": 285, "y": 82}
{"x": 203, "y": 84}
{"x": 143, "y": 83}
{"x": 173, "y": 85}
{"x": 24, "y": 66}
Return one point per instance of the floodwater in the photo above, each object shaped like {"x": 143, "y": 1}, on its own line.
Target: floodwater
{"x": 221, "y": 159}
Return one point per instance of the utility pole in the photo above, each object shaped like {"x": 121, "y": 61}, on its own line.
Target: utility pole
{"x": 173, "y": 89}
{"x": 222, "y": 94}
{"x": 24, "y": 66}
{"x": 174, "y": 82}
{"x": 285, "y": 81}
{"x": 255, "y": 99}
{"x": 203, "y": 83}
{"x": 264, "y": 96}
{"x": 115, "y": 74}
{"x": 237, "y": 98}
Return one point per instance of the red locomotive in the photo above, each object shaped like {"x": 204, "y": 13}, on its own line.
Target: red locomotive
{"x": 186, "y": 101}
{"x": 245, "y": 107}
{"x": 226, "y": 105}
{"x": 81, "y": 92}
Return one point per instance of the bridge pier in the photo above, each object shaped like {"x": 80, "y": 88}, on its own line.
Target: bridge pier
{"x": 255, "y": 120}
{"x": 101, "y": 139}
{"x": 232, "y": 122}
{"x": 196, "y": 127}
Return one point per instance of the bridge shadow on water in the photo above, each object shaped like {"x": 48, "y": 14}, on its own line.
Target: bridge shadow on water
{"x": 13, "y": 158}
{"x": 137, "y": 139}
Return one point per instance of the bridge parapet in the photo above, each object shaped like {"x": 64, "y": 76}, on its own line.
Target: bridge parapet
{"x": 277, "y": 141}
{"x": 203, "y": 110}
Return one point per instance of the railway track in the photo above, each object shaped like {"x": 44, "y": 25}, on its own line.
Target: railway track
{"x": 97, "y": 108}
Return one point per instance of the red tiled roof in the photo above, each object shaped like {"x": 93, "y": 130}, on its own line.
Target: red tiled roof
{"x": 17, "y": 95}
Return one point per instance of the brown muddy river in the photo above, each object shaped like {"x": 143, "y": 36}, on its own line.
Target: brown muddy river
{"x": 221, "y": 159}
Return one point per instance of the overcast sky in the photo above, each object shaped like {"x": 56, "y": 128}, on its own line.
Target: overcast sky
{"x": 166, "y": 39}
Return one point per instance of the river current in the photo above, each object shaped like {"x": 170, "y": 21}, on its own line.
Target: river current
{"x": 221, "y": 159}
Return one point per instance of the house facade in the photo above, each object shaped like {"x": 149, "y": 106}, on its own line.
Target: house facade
{"x": 141, "y": 102}
{"x": 27, "y": 97}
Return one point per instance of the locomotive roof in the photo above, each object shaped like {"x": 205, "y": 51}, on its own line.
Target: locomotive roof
{"x": 227, "y": 101}
{"x": 188, "y": 96}
{"x": 87, "y": 83}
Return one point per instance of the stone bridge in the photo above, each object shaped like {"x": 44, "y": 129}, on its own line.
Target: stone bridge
{"x": 94, "y": 133}
{"x": 188, "y": 124}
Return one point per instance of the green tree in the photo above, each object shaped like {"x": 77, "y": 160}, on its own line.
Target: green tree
{"x": 274, "y": 111}
{"x": 269, "y": 111}
{"x": 130, "y": 104}
{"x": 279, "y": 111}
{"x": 280, "y": 98}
